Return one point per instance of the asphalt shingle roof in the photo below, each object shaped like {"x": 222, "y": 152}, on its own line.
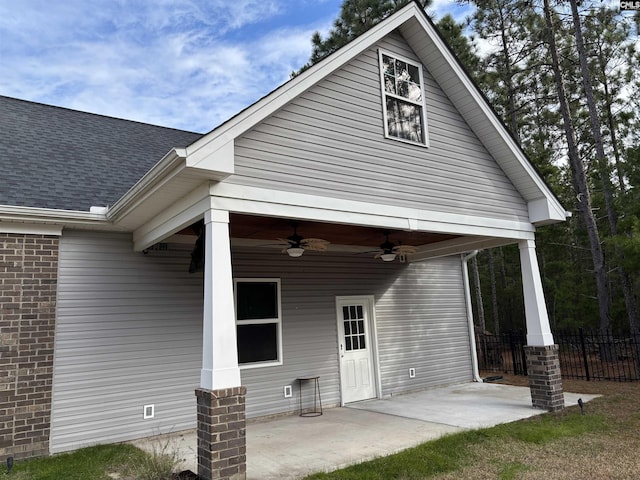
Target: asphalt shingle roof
{"x": 52, "y": 157}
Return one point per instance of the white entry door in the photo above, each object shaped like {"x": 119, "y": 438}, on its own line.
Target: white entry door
{"x": 357, "y": 366}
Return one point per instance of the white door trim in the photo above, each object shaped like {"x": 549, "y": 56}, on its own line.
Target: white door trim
{"x": 369, "y": 302}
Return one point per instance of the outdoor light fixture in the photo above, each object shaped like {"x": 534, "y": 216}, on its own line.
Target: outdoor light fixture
{"x": 295, "y": 251}
{"x": 388, "y": 257}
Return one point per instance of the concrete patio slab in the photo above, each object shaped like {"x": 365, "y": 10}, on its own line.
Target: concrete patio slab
{"x": 470, "y": 405}
{"x": 291, "y": 447}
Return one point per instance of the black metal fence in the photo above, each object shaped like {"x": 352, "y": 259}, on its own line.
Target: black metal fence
{"x": 584, "y": 355}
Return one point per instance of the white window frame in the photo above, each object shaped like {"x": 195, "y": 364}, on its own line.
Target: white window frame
{"x": 385, "y": 94}
{"x": 277, "y": 320}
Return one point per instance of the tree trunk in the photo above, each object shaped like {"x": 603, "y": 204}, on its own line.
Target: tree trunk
{"x": 494, "y": 294}
{"x": 612, "y": 215}
{"x": 579, "y": 178}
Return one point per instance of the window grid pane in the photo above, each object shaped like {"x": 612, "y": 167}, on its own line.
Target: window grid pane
{"x": 402, "y": 89}
{"x": 354, "y": 328}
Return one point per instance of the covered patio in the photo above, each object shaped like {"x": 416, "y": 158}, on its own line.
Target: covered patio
{"x": 290, "y": 447}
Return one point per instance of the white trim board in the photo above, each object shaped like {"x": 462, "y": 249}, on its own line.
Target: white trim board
{"x": 258, "y": 201}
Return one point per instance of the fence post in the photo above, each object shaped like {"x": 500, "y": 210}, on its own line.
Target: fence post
{"x": 584, "y": 354}
{"x": 523, "y": 354}
{"x": 514, "y": 356}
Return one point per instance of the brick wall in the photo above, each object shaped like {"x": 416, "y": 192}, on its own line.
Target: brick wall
{"x": 28, "y": 281}
{"x": 545, "y": 379}
{"x": 222, "y": 449}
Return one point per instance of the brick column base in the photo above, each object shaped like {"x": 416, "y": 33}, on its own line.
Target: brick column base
{"x": 545, "y": 381}
{"x": 222, "y": 450}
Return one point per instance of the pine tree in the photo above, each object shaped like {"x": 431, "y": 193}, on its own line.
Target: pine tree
{"x": 356, "y": 17}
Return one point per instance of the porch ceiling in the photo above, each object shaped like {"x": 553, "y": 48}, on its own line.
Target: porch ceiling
{"x": 269, "y": 229}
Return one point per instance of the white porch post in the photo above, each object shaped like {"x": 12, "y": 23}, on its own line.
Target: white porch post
{"x": 219, "y": 351}
{"x": 221, "y": 419}
{"x": 535, "y": 309}
{"x": 543, "y": 362}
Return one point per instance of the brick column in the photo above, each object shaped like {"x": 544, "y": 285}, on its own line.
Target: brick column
{"x": 222, "y": 451}
{"x": 545, "y": 380}
{"x": 28, "y": 282}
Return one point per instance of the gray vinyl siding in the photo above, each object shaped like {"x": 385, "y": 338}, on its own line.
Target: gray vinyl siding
{"x": 422, "y": 324}
{"x": 128, "y": 333}
{"x": 330, "y": 141}
{"x": 129, "y": 325}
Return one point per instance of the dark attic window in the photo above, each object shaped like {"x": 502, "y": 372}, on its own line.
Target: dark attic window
{"x": 402, "y": 99}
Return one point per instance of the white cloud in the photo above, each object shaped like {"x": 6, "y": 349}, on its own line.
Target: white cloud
{"x": 167, "y": 62}
{"x": 181, "y": 63}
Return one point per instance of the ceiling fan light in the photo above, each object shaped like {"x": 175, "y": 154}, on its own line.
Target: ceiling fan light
{"x": 295, "y": 251}
{"x": 388, "y": 257}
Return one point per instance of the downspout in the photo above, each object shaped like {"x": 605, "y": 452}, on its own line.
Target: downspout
{"x": 472, "y": 333}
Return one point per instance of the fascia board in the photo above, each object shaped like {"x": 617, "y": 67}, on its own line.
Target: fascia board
{"x": 488, "y": 115}
{"x": 15, "y": 218}
{"x": 23, "y": 228}
{"x": 233, "y": 128}
{"x": 168, "y": 167}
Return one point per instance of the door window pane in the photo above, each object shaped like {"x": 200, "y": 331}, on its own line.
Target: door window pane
{"x": 354, "y": 327}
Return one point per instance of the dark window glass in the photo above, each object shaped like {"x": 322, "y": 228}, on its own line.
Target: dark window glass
{"x": 362, "y": 344}
{"x": 347, "y": 328}
{"x": 347, "y": 342}
{"x": 360, "y": 314}
{"x": 404, "y": 120}
{"x": 257, "y": 343}
{"x": 256, "y": 300}
{"x": 345, "y": 313}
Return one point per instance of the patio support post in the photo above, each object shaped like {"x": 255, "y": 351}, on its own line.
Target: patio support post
{"x": 543, "y": 363}
{"x": 220, "y": 398}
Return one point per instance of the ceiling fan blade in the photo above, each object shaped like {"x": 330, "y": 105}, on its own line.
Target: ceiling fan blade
{"x": 316, "y": 244}
{"x": 404, "y": 249}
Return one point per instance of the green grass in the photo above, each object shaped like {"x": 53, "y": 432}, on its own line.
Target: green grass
{"x": 547, "y": 428}
{"x": 454, "y": 452}
{"x": 92, "y": 463}
{"x": 511, "y": 470}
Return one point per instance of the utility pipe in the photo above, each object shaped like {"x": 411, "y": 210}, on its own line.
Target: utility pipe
{"x": 472, "y": 333}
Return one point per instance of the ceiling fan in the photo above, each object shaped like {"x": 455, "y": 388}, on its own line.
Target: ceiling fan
{"x": 296, "y": 244}
{"x": 389, "y": 250}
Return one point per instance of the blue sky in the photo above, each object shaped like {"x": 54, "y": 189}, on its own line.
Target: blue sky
{"x": 188, "y": 64}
